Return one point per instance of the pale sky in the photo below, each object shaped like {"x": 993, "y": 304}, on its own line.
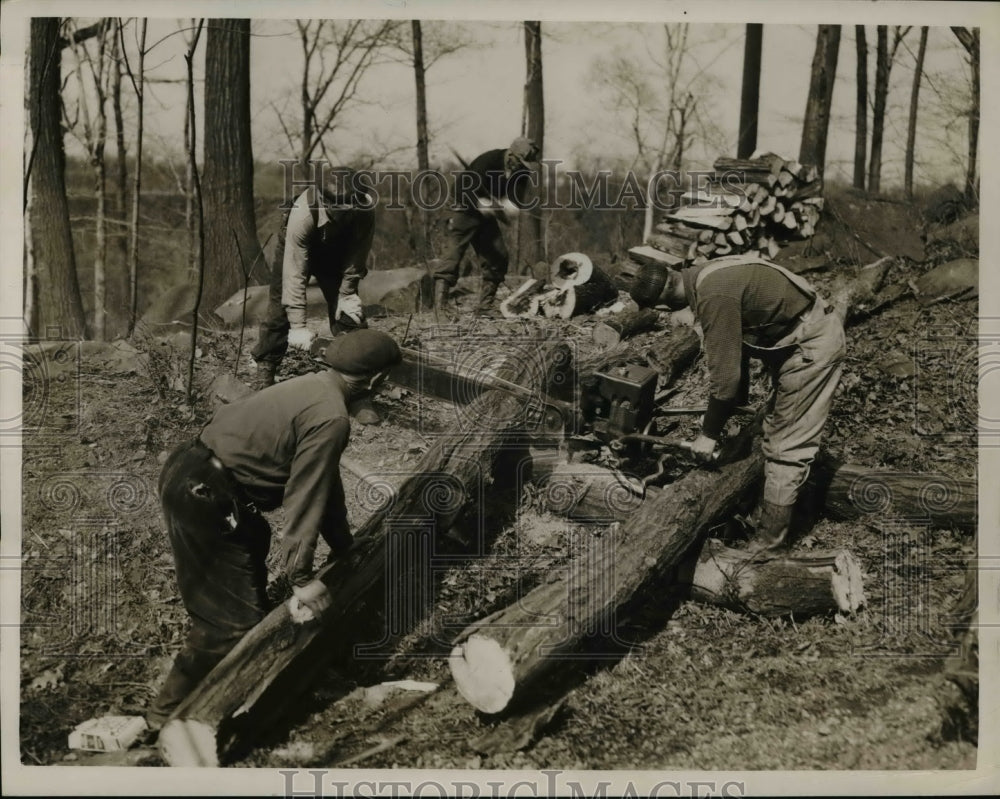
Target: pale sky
{"x": 475, "y": 95}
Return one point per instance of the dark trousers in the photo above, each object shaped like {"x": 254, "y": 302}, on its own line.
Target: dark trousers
{"x": 220, "y": 545}
{"x": 348, "y": 239}
{"x": 486, "y": 238}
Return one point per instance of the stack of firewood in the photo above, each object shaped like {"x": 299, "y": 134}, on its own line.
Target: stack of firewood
{"x": 748, "y": 206}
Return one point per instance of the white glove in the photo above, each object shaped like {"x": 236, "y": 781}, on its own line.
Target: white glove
{"x": 300, "y": 337}
{"x": 349, "y": 305}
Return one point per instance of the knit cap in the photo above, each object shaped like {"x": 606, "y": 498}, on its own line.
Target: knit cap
{"x": 648, "y": 284}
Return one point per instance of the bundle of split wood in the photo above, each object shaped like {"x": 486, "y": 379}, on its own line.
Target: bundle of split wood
{"x": 748, "y": 206}
{"x": 575, "y": 286}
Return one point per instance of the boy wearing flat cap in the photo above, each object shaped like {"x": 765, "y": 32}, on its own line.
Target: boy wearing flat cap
{"x": 495, "y": 184}
{"x": 749, "y": 307}
{"x": 279, "y": 446}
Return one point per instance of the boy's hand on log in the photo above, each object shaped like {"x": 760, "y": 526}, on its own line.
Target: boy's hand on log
{"x": 308, "y": 602}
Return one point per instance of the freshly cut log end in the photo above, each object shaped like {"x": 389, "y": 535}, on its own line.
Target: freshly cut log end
{"x": 189, "y": 742}
{"x": 483, "y": 673}
{"x": 571, "y": 269}
{"x": 776, "y": 585}
{"x": 847, "y": 583}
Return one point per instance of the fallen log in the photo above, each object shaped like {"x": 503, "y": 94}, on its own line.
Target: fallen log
{"x": 380, "y": 591}
{"x": 803, "y": 584}
{"x": 575, "y": 298}
{"x": 504, "y": 654}
{"x": 841, "y": 491}
{"x": 674, "y": 353}
{"x": 616, "y": 329}
{"x": 850, "y": 491}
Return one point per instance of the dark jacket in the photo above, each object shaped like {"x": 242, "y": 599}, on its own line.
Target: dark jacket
{"x": 283, "y": 445}
{"x": 486, "y": 177}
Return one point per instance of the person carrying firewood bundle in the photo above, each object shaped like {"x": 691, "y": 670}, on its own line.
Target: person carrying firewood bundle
{"x": 750, "y": 307}
{"x": 326, "y": 234}
{"x": 494, "y": 186}
{"x": 280, "y": 446}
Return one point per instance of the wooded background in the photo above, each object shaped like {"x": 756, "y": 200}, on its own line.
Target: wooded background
{"x": 118, "y": 216}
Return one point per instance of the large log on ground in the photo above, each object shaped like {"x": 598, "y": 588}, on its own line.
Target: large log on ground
{"x": 503, "y": 655}
{"x": 798, "y": 585}
{"x": 803, "y": 584}
{"x": 379, "y": 592}
{"x": 850, "y": 491}
{"x": 614, "y": 330}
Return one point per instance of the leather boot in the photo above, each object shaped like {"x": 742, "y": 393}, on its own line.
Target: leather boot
{"x": 487, "y": 294}
{"x": 440, "y": 295}
{"x": 772, "y": 526}
{"x": 263, "y": 375}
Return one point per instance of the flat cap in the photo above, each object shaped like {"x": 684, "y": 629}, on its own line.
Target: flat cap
{"x": 364, "y": 351}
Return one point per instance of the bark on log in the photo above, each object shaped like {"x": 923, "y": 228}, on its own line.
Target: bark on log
{"x": 849, "y": 491}
{"x": 502, "y": 655}
{"x": 804, "y": 584}
{"x": 379, "y": 592}
{"x": 581, "y": 298}
{"x": 616, "y": 329}
{"x": 674, "y": 353}
{"x": 800, "y": 585}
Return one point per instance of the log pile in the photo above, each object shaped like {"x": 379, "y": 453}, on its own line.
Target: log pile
{"x": 749, "y": 206}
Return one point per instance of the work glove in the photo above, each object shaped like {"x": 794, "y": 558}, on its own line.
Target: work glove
{"x": 300, "y": 337}
{"x": 308, "y": 602}
{"x": 703, "y": 448}
{"x": 349, "y": 305}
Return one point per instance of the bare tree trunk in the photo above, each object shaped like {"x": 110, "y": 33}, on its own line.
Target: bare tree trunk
{"x": 882, "y": 66}
{"x": 817, "y": 119}
{"x": 861, "y": 112}
{"x": 118, "y": 278}
{"x": 750, "y": 96}
{"x": 199, "y": 207}
{"x": 911, "y": 132}
{"x": 228, "y": 158}
{"x": 532, "y": 231}
{"x": 60, "y": 306}
{"x": 133, "y": 250}
{"x": 423, "y": 157}
{"x": 970, "y": 41}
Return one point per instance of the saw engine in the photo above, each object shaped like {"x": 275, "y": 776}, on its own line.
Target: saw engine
{"x": 618, "y": 401}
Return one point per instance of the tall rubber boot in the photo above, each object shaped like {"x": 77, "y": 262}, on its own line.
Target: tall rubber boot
{"x": 440, "y": 295}
{"x": 487, "y": 294}
{"x": 773, "y": 522}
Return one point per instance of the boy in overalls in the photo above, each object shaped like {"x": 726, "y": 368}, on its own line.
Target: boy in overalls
{"x": 749, "y": 307}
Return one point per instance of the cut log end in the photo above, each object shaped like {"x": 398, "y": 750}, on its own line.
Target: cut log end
{"x": 847, "y": 583}
{"x": 483, "y": 673}
{"x": 188, "y": 742}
